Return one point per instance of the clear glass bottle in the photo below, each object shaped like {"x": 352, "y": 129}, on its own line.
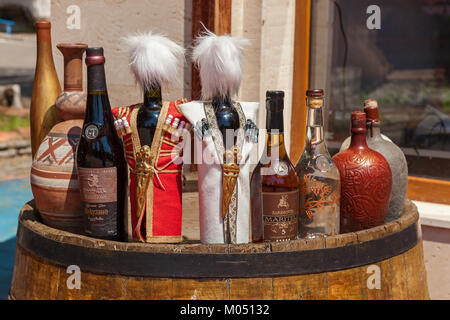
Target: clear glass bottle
{"x": 319, "y": 177}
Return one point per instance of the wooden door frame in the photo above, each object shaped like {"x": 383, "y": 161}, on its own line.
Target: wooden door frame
{"x": 300, "y": 78}
{"x": 428, "y": 190}
{"x": 215, "y": 15}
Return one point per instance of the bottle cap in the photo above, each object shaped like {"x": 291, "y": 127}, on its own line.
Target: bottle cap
{"x": 275, "y": 101}
{"x": 94, "y": 56}
{"x": 314, "y": 98}
{"x": 43, "y": 24}
{"x": 315, "y": 93}
{"x": 358, "y": 122}
{"x": 275, "y": 94}
{"x": 371, "y": 110}
{"x": 43, "y": 30}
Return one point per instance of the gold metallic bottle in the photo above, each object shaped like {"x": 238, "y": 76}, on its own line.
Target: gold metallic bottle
{"x": 46, "y": 88}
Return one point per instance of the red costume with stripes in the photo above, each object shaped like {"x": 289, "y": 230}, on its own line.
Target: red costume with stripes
{"x": 162, "y": 222}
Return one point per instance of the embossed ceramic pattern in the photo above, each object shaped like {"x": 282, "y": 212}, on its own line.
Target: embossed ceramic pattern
{"x": 366, "y": 181}
{"x": 393, "y": 155}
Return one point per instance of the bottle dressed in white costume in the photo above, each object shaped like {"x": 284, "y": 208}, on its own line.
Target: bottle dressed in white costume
{"x": 226, "y": 131}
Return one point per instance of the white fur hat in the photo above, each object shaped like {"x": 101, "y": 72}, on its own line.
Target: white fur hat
{"x": 154, "y": 59}
{"x": 219, "y": 59}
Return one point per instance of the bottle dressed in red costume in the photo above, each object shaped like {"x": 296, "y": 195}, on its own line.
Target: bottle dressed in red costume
{"x": 366, "y": 181}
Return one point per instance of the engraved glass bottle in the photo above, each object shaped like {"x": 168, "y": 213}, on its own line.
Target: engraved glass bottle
{"x": 274, "y": 183}
{"x": 319, "y": 177}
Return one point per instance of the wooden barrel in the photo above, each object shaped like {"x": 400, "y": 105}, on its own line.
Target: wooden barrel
{"x": 385, "y": 262}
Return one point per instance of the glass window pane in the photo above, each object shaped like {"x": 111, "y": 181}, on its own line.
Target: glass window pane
{"x": 405, "y": 65}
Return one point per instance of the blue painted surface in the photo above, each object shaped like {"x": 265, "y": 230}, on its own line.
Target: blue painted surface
{"x": 9, "y": 24}
{"x": 13, "y": 195}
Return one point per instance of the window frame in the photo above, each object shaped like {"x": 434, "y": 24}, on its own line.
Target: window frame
{"x": 419, "y": 189}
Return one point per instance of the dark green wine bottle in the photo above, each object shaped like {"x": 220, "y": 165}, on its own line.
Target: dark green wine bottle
{"x": 101, "y": 166}
{"x": 227, "y": 119}
{"x": 148, "y": 114}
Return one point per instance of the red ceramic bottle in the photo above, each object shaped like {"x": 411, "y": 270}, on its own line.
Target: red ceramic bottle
{"x": 366, "y": 181}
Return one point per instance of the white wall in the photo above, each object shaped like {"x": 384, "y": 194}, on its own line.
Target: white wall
{"x": 269, "y": 61}
{"x": 104, "y": 22}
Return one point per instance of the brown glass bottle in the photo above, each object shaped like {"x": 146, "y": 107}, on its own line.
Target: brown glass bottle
{"x": 274, "y": 183}
{"x": 101, "y": 166}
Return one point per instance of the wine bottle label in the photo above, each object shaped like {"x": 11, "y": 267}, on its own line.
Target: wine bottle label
{"x": 98, "y": 188}
{"x": 280, "y": 215}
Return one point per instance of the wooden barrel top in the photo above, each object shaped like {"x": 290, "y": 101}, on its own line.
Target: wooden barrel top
{"x": 192, "y": 259}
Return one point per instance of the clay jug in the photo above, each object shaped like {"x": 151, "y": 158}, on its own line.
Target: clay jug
{"x": 46, "y": 88}
{"x": 54, "y": 180}
{"x": 71, "y": 103}
{"x": 393, "y": 155}
{"x": 366, "y": 181}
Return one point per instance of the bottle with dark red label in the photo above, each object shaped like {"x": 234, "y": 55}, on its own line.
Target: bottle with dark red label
{"x": 274, "y": 183}
{"x": 101, "y": 166}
